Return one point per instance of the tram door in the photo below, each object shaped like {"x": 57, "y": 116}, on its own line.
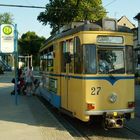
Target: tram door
{"x": 67, "y": 70}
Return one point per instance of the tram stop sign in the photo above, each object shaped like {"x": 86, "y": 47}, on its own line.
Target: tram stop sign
{"x": 6, "y": 38}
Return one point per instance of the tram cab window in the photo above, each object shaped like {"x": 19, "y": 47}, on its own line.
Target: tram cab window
{"x": 129, "y": 59}
{"x": 111, "y": 61}
{"x": 89, "y": 59}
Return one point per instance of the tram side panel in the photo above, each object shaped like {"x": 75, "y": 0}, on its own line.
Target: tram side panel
{"x": 72, "y": 96}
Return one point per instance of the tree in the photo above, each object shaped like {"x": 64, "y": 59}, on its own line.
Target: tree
{"x": 61, "y": 12}
{"x": 29, "y": 44}
{"x": 90, "y": 10}
{"x": 6, "y": 18}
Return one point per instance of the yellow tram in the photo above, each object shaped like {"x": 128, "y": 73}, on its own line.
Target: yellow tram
{"x": 88, "y": 71}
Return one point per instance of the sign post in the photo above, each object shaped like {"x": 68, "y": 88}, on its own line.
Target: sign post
{"x": 8, "y": 45}
{"x": 16, "y": 62}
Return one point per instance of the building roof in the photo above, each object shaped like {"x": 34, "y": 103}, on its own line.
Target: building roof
{"x": 137, "y": 16}
{"x": 124, "y": 21}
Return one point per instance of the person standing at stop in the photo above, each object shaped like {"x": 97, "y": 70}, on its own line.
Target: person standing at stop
{"x": 29, "y": 81}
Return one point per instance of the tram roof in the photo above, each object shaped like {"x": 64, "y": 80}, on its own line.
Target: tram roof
{"x": 84, "y": 27}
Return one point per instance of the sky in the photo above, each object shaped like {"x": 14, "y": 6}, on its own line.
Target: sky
{"x": 26, "y": 18}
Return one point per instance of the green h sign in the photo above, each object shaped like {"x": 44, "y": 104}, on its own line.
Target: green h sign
{"x": 7, "y": 38}
{"x": 7, "y": 30}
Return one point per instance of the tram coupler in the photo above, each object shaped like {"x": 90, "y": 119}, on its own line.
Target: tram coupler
{"x": 113, "y": 120}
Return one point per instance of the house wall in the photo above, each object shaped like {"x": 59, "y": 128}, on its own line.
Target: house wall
{"x": 125, "y": 22}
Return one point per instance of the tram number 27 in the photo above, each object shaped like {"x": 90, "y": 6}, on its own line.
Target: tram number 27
{"x": 95, "y": 90}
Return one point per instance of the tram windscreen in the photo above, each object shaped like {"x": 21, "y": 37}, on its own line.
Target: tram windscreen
{"x": 107, "y": 60}
{"x": 111, "y": 61}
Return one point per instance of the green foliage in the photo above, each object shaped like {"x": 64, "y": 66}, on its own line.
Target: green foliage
{"x": 90, "y": 10}
{"x": 61, "y": 12}
{"x": 6, "y": 18}
{"x": 57, "y": 13}
{"x": 29, "y": 44}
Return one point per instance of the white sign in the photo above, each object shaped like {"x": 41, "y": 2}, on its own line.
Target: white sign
{"x": 110, "y": 39}
{"x": 7, "y": 38}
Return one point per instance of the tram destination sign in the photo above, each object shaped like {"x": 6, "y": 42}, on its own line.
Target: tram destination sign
{"x": 7, "y": 38}
{"x": 110, "y": 39}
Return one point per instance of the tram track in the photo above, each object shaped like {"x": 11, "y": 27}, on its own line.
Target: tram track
{"x": 72, "y": 129}
{"x": 85, "y": 131}
{"x": 137, "y": 132}
{"x": 132, "y": 130}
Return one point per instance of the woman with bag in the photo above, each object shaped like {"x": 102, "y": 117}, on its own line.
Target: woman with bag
{"x": 29, "y": 81}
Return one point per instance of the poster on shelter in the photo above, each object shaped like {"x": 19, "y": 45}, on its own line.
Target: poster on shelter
{"x": 6, "y": 38}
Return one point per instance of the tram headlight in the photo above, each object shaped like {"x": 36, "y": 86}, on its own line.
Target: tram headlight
{"x": 113, "y": 98}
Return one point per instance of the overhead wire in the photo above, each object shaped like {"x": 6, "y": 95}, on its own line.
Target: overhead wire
{"x": 41, "y": 7}
{"x": 27, "y": 6}
{"x": 22, "y": 6}
{"x": 110, "y": 3}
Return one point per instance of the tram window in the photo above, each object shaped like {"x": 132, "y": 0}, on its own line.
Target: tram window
{"x": 89, "y": 59}
{"x": 63, "y": 52}
{"x": 111, "y": 61}
{"x": 43, "y": 62}
{"x": 43, "y": 65}
{"x": 50, "y": 61}
{"x": 71, "y": 52}
{"x": 129, "y": 59}
{"x": 78, "y": 53}
{"x": 67, "y": 54}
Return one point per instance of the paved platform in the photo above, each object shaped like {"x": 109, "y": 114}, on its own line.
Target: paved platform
{"x": 133, "y": 123}
{"x": 29, "y": 120}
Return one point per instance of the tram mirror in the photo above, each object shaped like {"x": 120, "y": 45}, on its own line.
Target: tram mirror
{"x": 67, "y": 57}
